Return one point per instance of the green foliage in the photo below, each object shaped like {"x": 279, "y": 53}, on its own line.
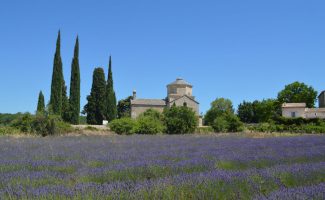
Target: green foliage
{"x": 180, "y": 120}
{"x": 111, "y": 109}
{"x": 124, "y": 107}
{"x": 148, "y": 125}
{"x": 57, "y": 85}
{"x": 123, "y": 126}
{"x": 7, "y": 130}
{"x": 298, "y": 92}
{"x": 258, "y": 111}
{"x": 204, "y": 129}
{"x": 65, "y": 113}
{"x": 218, "y": 107}
{"x": 220, "y": 124}
{"x": 227, "y": 122}
{"x": 41, "y": 124}
{"x": 292, "y": 125}
{"x": 95, "y": 108}
{"x": 246, "y": 112}
{"x": 6, "y": 119}
{"x": 153, "y": 114}
{"x": 40, "y": 103}
{"x": 74, "y": 100}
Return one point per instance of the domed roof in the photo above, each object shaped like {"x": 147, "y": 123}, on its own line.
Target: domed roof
{"x": 180, "y": 81}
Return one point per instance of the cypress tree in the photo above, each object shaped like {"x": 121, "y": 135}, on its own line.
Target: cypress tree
{"x": 57, "y": 85}
{"x": 75, "y": 86}
{"x": 95, "y": 108}
{"x": 40, "y": 103}
{"x": 65, "y": 113}
{"x": 111, "y": 109}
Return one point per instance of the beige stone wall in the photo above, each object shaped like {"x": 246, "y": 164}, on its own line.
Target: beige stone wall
{"x": 300, "y": 112}
{"x": 179, "y": 90}
{"x": 315, "y": 114}
{"x": 136, "y": 110}
{"x": 189, "y": 103}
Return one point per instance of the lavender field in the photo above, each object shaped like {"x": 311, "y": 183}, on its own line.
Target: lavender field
{"x": 162, "y": 167}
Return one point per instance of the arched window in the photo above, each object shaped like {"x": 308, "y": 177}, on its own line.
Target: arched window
{"x": 185, "y": 104}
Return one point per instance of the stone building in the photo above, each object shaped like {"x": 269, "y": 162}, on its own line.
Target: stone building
{"x": 321, "y": 99}
{"x": 179, "y": 93}
{"x": 291, "y": 110}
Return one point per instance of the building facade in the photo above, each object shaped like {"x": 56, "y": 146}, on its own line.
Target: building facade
{"x": 292, "y": 110}
{"x": 179, "y": 93}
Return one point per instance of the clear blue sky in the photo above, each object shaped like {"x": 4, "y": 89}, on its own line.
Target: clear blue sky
{"x": 241, "y": 50}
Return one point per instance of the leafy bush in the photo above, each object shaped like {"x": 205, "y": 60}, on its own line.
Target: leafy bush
{"x": 293, "y": 128}
{"x": 204, "y": 129}
{"x": 7, "y": 130}
{"x": 180, "y": 120}
{"x": 149, "y": 125}
{"x": 152, "y": 113}
{"x": 7, "y": 119}
{"x": 123, "y": 126}
{"x": 42, "y": 125}
{"x": 220, "y": 124}
{"x": 227, "y": 122}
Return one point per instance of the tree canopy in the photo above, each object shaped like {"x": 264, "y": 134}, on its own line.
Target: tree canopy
{"x": 298, "y": 92}
{"x": 218, "y": 107}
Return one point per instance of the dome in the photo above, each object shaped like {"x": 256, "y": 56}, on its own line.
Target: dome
{"x": 180, "y": 81}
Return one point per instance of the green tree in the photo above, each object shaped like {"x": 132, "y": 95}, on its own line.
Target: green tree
{"x": 111, "y": 109}
{"x": 246, "y": 112}
{"x": 180, "y": 120}
{"x": 298, "y": 92}
{"x": 218, "y": 107}
{"x": 265, "y": 110}
{"x": 65, "y": 113}
{"x": 57, "y": 85}
{"x": 124, "y": 107}
{"x": 95, "y": 108}
{"x": 74, "y": 100}
{"x": 258, "y": 111}
{"x": 40, "y": 103}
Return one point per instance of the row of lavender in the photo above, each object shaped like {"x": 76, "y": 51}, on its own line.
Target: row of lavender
{"x": 163, "y": 167}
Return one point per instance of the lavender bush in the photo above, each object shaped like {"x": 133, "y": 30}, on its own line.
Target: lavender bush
{"x": 162, "y": 167}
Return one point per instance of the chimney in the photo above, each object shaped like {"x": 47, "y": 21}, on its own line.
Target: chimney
{"x": 134, "y": 94}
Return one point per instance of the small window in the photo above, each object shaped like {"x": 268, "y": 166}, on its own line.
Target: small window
{"x": 293, "y": 114}
{"x": 185, "y": 104}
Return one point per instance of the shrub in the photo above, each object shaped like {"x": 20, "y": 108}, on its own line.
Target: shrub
{"x": 7, "y": 130}
{"x": 23, "y": 123}
{"x": 227, "y": 122}
{"x": 152, "y": 114}
{"x": 149, "y": 125}
{"x": 220, "y": 124}
{"x": 123, "y": 126}
{"x": 42, "y": 125}
{"x": 234, "y": 123}
{"x": 204, "y": 129}
{"x": 180, "y": 120}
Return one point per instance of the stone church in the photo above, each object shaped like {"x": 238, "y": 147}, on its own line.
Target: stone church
{"x": 179, "y": 93}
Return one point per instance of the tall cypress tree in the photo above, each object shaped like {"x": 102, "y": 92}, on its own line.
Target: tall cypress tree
{"x": 57, "y": 85}
{"x": 95, "y": 108}
{"x": 75, "y": 86}
{"x": 40, "y": 103}
{"x": 111, "y": 109}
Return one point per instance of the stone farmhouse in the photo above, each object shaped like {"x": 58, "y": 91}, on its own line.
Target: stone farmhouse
{"x": 179, "y": 93}
{"x": 291, "y": 110}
